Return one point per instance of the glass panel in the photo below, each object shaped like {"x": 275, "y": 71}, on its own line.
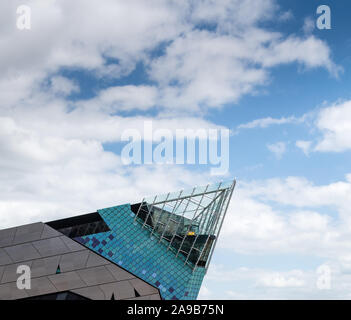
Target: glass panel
{"x": 189, "y": 220}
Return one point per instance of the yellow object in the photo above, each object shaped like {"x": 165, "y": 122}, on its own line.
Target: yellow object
{"x": 191, "y": 233}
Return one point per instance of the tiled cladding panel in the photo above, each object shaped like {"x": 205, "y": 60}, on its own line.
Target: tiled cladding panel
{"x": 81, "y": 271}
{"x": 131, "y": 247}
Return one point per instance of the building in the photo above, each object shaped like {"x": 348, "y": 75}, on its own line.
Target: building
{"x": 159, "y": 248}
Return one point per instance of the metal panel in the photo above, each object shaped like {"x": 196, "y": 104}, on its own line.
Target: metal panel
{"x": 154, "y": 297}
{"x": 51, "y": 247}
{"x": 91, "y": 269}
{"x": 95, "y": 276}
{"x": 142, "y": 287}
{"x": 45, "y": 266}
{"x": 74, "y": 260}
{"x": 120, "y": 290}
{"x": 72, "y": 245}
{"x": 94, "y": 260}
{"x": 49, "y": 232}
{"x": 6, "y": 237}
{"x": 120, "y": 274}
{"x": 94, "y": 293}
{"x": 27, "y": 233}
{"x": 10, "y": 273}
{"x": 4, "y": 257}
{"x": 40, "y": 286}
{"x": 9, "y": 291}
{"x": 67, "y": 281}
{"x": 2, "y": 269}
{"x": 22, "y": 252}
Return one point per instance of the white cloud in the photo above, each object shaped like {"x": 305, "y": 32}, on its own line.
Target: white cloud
{"x": 282, "y": 218}
{"x": 300, "y": 192}
{"x": 203, "y": 69}
{"x": 262, "y": 283}
{"x": 277, "y": 280}
{"x": 278, "y": 149}
{"x": 310, "y": 52}
{"x": 207, "y": 70}
{"x": 123, "y": 98}
{"x": 289, "y": 215}
{"x": 197, "y": 69}
{"x": 232, "y": 15}
{"x": 205, "y": 293}
{"x": 64, "y": 34}
{"x": 287, "y": 15}
{"x": 53, "y": 163}
{"x": 310, "y": 221}
{"x": 63, "y": 86}
{"x": 267, "y": 122}
{"x": 335, "y": 124}
{"x": 305, "y": 146}
{"x": 50, "y": 119}
{"x": 308, "y": 25}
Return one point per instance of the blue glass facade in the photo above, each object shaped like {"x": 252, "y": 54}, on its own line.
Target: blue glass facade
{"x": 130, "y": 246}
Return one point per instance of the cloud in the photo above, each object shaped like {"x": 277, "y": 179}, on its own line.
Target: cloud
{"x": 287, "y": 15}
{"x": 119, "y": 30}
{"x": 76, "y": 178}
{"x": 290, "y": 215}
{"x": 188, "y": 67}
{"x": 263, "y": 283}
{"x": 308, "y": 25}
{"x": 267, "y": 122}
{"x": 335, "y": 124}
{"x": 277, "y": 280}
{"x": 233, "y": 15}
{"x": 278, "y": 149}
{"x": 207, "y": 70}
{"x": 311, "y": 52}
{"x": 281, "y": 218}
{"x": 310, "y": 221}
{"x": 49, "y": 118}
{"x": 305, "y": 146}
{"x": 54, "y": 162}
{"x": 123, "y": 98}
{"x": 63, "y": 86}
{"x": 205, "y": 293}
{"x": 331, "y": 128}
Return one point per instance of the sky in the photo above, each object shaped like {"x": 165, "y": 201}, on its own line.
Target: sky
{"x": 86, "y": 71}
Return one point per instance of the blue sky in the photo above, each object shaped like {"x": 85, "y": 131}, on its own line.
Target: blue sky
{"x": 72, "y": 84}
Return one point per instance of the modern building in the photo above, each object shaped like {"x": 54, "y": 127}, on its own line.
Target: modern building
{"x": 159, "y": 248}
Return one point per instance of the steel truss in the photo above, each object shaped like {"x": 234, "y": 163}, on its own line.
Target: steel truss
{"x": 188, "y": 222}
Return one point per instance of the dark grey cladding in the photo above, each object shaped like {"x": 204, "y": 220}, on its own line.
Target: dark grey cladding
{"x": 60, "y": 265}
